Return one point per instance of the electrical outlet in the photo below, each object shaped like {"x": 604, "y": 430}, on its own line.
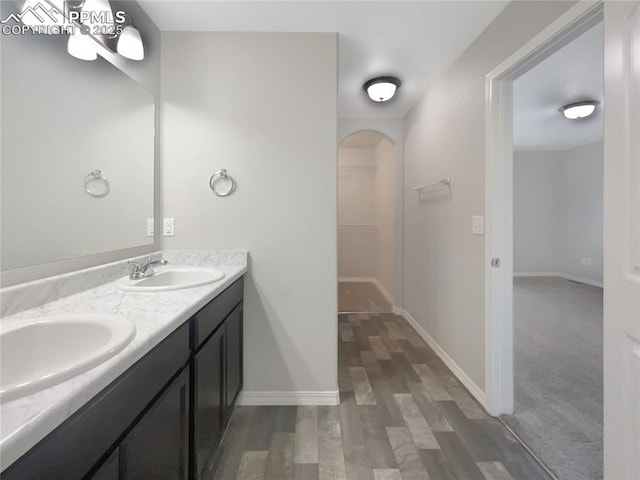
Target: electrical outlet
{"x": 168, "y": 227}
{"x": 151, "y": 230}
{"x": 477, "y": 225}
{"x": 586, "y": 261}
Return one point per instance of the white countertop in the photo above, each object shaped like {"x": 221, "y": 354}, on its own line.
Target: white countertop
{"x": 27, "y": 420}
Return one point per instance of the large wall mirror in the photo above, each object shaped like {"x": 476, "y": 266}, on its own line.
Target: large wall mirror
{"x": 62, "y": 119}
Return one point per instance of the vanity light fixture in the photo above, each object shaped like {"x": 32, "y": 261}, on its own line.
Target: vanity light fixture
{"x": 96, "y": 13}
{"x": 381, "y": 89}
{"x": 130, "y": 43}
{"x": 42, "y": 15}
{"x": 82, "y": 46}
{"x": 576, "y": 111}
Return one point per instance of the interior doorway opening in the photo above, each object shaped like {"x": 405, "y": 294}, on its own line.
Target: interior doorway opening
{"x": 366, "y": 223}
{"x": 544, "y": 331}
{"x": 558, "y": 260}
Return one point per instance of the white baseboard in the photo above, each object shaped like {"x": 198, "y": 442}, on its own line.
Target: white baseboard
{"x": 299, "y": 398}
{"x": 475, "y": 390}
{"x": 397, "y": 310}
{"x": 566, "y": 276}
{"x": 384, "y": 291}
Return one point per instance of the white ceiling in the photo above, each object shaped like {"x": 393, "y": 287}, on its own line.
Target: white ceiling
{"x": 572, "y": 74}
{"x": 363, "y": 139}
{"x": 414, "y": 40}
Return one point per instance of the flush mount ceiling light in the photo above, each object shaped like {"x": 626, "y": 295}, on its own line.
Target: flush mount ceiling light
{"x": 576, "y": 111}
{"x": 381, "y": 89}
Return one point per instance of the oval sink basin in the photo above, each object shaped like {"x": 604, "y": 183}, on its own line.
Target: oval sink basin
{"x": 36, "y": 354}
{"x": 171, "y": 278}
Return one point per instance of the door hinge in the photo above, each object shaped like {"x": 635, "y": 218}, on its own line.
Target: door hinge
{"x": 495, "y": 262}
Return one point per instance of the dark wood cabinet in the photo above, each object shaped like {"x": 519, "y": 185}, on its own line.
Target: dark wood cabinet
{"x": 233, "y": 358}
{"x": 208, "y": 392}
{"x": 163, "y": 418}
{"x": 158, "y": 446}
{"x": 110, "y": 469}
{"x": 217, "y": 375}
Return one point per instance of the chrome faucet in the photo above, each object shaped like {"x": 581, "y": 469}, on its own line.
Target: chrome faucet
{"x": 143, "y": 270}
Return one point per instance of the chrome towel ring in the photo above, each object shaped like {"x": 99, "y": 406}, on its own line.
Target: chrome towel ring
{"x": 97, "y": 176}
{"x": 222, "y": 175}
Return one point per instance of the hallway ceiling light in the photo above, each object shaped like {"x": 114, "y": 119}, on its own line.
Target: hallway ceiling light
{"x": 130, "y": 43}
{"x": 576, "y": 111}
{"x": 381, "y": 89}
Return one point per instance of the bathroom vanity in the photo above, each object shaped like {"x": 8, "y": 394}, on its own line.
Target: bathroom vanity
{"x": 164, "y": 416}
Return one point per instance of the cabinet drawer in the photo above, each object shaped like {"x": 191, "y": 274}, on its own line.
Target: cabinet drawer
{"x": 212, "y": 315}
{"x": 72, "y": 449}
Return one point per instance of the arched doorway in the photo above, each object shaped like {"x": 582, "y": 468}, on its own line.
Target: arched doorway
{"x": 367, "y": 223}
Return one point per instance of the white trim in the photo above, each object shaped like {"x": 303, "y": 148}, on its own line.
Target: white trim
{"x": 566, "y": 276}
{"x": 384, "y": 291}
{"x": 398, "y": 310}
{"x": 298, "y": 398}
{"x": 466, "y": 380}
{"x": 499, "y": 195}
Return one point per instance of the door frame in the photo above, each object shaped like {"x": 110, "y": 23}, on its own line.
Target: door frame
{"x": 499, "y": 195}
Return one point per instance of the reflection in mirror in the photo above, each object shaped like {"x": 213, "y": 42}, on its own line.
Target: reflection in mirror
{"x": 63, "y": 120}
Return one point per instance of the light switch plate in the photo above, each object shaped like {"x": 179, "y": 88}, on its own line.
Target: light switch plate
{"x": 168, "y": 227}
{"x": 151, "y": 230}
{"x": 477, "y": 225}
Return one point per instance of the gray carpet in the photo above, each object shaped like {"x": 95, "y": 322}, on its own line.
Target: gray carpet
{"x": 558, "y": 374}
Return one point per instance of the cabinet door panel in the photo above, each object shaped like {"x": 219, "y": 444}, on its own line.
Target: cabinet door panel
{"x": 233, "y": 358}
{"x": 110, "y": 469}
{"x": 208, "y": 399}
{"x": 157, "y": 447}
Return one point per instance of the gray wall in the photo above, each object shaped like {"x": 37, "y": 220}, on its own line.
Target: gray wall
{"x": 147, "y": 73}
{"x": 262, "y": 106}
{"x": 558, "y": 212}
{"x": 445, "y": 136}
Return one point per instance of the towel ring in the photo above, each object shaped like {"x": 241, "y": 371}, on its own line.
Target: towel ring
{"x": 222, "y": 175}
{"x": 95, "y": 176}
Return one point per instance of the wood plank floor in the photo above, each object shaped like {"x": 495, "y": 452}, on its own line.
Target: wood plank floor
{"x": 362, "y": 297}
{"x": 403, "y": 416}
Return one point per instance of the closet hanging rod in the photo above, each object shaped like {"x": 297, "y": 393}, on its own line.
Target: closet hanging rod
{"x": 444, "y": 181}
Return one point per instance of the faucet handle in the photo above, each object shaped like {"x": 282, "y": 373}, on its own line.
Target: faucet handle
{"x": 135, "y": 266}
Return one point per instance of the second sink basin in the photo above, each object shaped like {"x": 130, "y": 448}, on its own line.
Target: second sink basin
{"x": 171, "y": 278}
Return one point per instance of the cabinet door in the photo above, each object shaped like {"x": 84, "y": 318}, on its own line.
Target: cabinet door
{"x": 233, "y": 358}
{"x": 208, "y": 394}
{"x": 110, "y": 469}
{"x": 157, "y": 448}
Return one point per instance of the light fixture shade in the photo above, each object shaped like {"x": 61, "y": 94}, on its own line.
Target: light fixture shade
{"x": 130, "y": 43}
{"x": 576, "y": 111}
{"x": 381, "y": 89}
{"x": 82, "y": 46}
